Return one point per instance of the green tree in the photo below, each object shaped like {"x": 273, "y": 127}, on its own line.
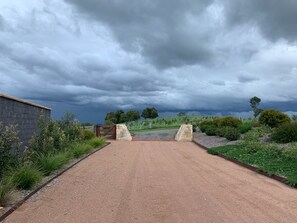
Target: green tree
{"x": 133, "y": 115}
{"x": 111, "y": 117}
{"x": 254, "y": 102}
{"x": 154, "y": 113}
{"x": 120, "y": 116}
{"x": 150, "y": 113}
{"x": 181, "y": 114}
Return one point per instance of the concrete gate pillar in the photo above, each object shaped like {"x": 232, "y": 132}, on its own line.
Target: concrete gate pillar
{"x": 122, "y": 133}
{"x": 185, "y": 133}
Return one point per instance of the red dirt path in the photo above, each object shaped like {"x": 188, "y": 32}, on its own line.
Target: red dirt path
{"x": 159, "y": 182}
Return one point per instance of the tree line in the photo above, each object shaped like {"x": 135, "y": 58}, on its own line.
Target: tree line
{"x": 120, "y": 116}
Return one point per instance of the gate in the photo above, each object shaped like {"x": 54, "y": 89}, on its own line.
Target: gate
{"x": 107, "y": 131}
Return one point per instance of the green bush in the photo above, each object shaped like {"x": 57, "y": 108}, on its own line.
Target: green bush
{"x": 231, "y": 133}
{"x": 96, "y": 142}
{"x": 6, "y": 186}
{"x": 26, "y": 176}
{"x": 88, "y": 134}
{"x": 245, "y": 128}
{"x": 290, "y": 153}
{"x": 9, "y": 147}
{"x": 78, "y": 150}
{"x": 273, "y": 118}
{"x": 205, "y": 124}
{"x": 220, "y": 131}
{"x": 47, "y": 163}
{"x": 210, "y": 130}
{"x": 228, "y": 122}
{"x": 285, "y": 133}
{"x": 256, "y": 133}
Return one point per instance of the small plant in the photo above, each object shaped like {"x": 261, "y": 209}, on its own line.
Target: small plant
{"x": 245, "y": 128}
{"x": 6, "y": 186}
{"x": 88, "y": 134}
{"x": 290, "y": 153}
{"x": 273, "y": 118}
{"x": 203, "y": 125}
{"x": 255, "y": 134}
{"x": 228, "y": 122}
{"x": 9, "y": 147}
{"x": 26, "y": 176}
{"x": 96, "y": 142}
{"x": 47, "y": 163}
{"x": 285, "y": 133}
{"x": 78, "y": 150}
{"x": 231, "y": 133}
{"x": 210, "y": 130}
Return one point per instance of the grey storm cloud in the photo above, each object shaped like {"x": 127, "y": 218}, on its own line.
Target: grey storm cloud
{"x": 95, "y": 56}
{"x": 276, "y": 19}
{"x": 163, "y": 31}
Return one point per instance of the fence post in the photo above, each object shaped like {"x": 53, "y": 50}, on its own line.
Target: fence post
{"x": 97, "y": 130}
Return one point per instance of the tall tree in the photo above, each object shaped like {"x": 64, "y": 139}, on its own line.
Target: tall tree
{"x": 133, "y": 115}
{"x": 120, "y": 116}
{"x": 254, "y": 102}
{"x": 150, "y": 113}
{"x": 111, "y": 117}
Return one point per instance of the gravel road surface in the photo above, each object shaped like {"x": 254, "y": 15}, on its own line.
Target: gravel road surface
{"x": 159, "y": 182}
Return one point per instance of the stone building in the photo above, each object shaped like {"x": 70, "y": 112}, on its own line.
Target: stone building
{"x": 24, "y": 114}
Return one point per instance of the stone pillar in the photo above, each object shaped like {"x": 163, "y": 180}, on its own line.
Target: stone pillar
{"x": 122, "y": 133}
{"x": 185, "y": 133}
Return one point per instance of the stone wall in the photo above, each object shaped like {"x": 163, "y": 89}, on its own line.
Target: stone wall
{"x": 24, "y": 114}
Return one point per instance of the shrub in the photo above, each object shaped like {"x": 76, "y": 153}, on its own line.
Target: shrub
{"x": 88, "y": 134}
{"x": 9, "y": 147}
{"x": 96, "y": 142}
{"x": 245, "y": 128}
{"x": 6, "y": 186}
{"x": 290, "y": 153}
{"x": 285, "y": 133}
{"x": 26, "y": 176}
{"x": 273, "y": 118}
{"x": 255, "y": 134}
{"x": 228, "y": 122}
{"x": 220, "y": 131}
{"x": 47, "y": 163}
{"x": 210, "y": 130}
{"x": 205, "y": 124}
{"x": 78, "y": 150}
{"x": 231, "y": 133}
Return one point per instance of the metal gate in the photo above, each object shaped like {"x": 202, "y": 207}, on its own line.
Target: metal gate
{"x": 107, "y": 131}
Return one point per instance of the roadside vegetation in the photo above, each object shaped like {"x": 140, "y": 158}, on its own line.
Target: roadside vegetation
{"x": 268, "y": 143}
{"x": 163, "y": 123}
{"x": 56, "y": 145}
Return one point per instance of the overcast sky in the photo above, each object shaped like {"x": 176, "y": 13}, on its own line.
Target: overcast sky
{"x": 93, "y": 56}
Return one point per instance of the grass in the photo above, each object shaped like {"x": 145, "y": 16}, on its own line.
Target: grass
{"x": 6, "y": 186}
{"x": 162, "y": 123}
{"x": 156, "y": 129}
{"x": 48, "y": 163}
{"x": 267, "y": 158}
{"x": 26, "y": 176}
{"x": 96, "y": 142}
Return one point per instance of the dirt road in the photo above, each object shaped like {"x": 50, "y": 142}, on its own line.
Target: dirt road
{"x": 159, "y": 182}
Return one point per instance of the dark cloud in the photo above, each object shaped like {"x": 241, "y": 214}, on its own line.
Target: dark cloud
{"x": 246, "y": 79}
{"x": 163, "y": 31}
{"x": 91, "y": 56}
{"x": 276, "y": 19}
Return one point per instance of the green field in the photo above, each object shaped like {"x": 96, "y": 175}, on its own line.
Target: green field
{"x": 163, "y": 123}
